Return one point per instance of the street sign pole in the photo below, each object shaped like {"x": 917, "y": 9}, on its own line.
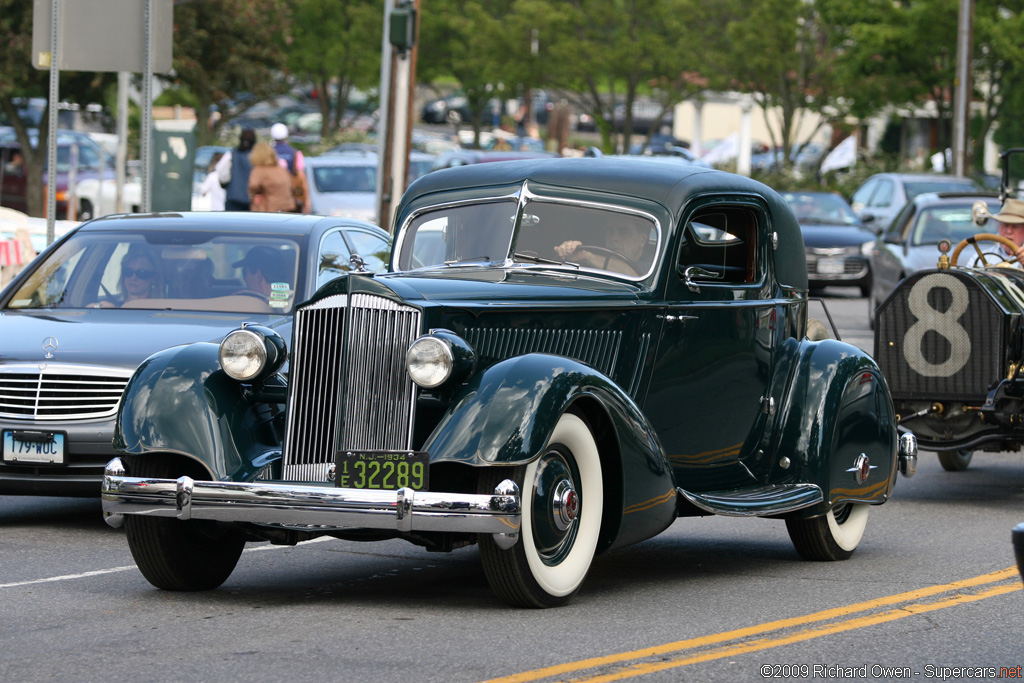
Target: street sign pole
{"x": 51, "y": 146}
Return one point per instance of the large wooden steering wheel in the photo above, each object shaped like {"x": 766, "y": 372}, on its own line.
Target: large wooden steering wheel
{"x": 985, "y": 237}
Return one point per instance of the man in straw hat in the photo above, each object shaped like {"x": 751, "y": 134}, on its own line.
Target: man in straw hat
{"x": 1011, "y": 226}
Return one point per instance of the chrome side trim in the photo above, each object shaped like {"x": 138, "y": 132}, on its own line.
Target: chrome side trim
{"x": 760, "y": 502}
{"x": 404, "y": 510}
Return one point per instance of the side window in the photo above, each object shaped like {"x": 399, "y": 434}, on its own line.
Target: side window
{"x": 862, "y": 197}
{"x": 719, "y": 244}
{"x": 883, "y": 196}
{"x": 334, "y": 256}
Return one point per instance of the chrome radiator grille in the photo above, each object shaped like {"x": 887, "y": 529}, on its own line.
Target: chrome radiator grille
{"x": 939, "y": 336}
{"x": 349, "y": 387}
{"x": 60, "y": 392}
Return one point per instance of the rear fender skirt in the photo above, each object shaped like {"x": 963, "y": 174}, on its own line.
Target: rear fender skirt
{"x": 838, "y": 408}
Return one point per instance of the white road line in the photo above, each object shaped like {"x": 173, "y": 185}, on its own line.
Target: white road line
{"x": 114, "y": 570}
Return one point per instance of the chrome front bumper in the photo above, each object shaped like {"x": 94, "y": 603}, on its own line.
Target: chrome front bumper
{"x": 404, "y": 510}
{"x": 907, "y": 454}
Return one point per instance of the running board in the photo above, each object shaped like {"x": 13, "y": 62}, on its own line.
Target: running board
{"x": 763, "y": 501}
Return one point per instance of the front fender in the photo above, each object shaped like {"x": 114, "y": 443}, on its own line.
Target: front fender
{"x": 506, "y": 415}
{"x": 838, "y": 407}
{"x": 180, "y": 401}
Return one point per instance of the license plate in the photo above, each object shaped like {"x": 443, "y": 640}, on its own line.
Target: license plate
{"x": 33, "y": 447}
{"x": 382, "y": 470}
{"x": 830, "y": 266}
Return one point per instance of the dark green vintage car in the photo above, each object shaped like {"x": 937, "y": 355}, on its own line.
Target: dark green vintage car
{"x": 566, "y": 356}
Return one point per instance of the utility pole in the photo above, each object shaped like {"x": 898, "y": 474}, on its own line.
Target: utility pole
{"x": 962, "y": 98}
{"x": 397, "y": 83}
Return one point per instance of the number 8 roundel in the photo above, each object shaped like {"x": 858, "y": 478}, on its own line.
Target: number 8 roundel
{"x": 944, "y": 323}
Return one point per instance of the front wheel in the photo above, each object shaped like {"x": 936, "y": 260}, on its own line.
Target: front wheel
{"x": 178, "y": 555}
{"x": 832, "y": 536}
{"x": 563, "y": 500}
{"x": 955, "y": 461}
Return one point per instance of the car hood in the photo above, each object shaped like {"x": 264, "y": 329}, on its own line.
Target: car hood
{"x": 818, "y": 235}
{"x": 116, "y": 338}
{"x": 361, "y": 205}
{"x": 496, "y": 286}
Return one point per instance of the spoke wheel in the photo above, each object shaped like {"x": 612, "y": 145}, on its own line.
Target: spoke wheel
{"x": 955, "y": 461}
{"x": 563, "y": 500}
{"x": 178, "y": 555}
{"x": 982, "y": 257}
{"x": 832, "y": 536}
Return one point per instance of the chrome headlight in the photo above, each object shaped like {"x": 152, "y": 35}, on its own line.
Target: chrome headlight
{"x": 867, "y": 248}
{"x": 429, "y": 361}
{"x": 253, "y": 352}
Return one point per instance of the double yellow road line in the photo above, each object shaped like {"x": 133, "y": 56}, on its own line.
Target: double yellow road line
{"x": 776, "y": 633}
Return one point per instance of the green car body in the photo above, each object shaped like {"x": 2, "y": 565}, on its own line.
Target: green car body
{"x": 676, "y": 378}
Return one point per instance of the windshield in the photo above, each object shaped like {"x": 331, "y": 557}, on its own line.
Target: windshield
{"x": 345, "y": 178}
{"x": 179, "y": 271}
{"x": 544, "y": 233}
{"x": 953, "y": 223}
{"x": 830, "y": 209}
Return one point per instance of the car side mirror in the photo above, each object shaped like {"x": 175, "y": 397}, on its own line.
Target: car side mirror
{"x": 892, "y": 238}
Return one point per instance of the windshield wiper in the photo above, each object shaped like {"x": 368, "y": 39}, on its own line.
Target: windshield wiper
{"x": 540, "y": 259}
{"x": 472, "y": 259}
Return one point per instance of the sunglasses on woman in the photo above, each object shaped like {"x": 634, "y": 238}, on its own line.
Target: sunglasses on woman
{"x": 141, "y": 273}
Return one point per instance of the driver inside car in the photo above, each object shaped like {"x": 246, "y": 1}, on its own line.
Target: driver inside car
{"x": 1011, "y": 226}
{"x": 625, "y": 243}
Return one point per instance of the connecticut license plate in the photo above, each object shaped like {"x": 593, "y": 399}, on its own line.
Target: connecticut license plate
{"x": 382, "y": 470}
{"x": 22, "y": 446}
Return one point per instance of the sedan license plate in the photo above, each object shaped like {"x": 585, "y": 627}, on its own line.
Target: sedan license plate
{"x": 382, "y": 470}
{"x": 830, "y": 266}
{"x": 33, "y": 447}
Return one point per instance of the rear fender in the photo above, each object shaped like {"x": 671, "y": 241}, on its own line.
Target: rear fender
{"x": 838, "y": 407}
{"x": 506, "y": 416}
{"x": 180, "y": 401}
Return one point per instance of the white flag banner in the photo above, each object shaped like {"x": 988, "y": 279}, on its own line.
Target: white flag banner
{"x": 843, "y": 156}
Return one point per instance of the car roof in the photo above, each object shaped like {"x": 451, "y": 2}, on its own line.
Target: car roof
{"x": 924, "y": 176}
{"x": 218, "y": 221}
{"x": 671, "y": 185}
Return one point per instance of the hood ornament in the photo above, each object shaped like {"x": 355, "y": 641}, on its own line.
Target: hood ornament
{"x": 50, "y": 345}
{"x": 358, "y": 264}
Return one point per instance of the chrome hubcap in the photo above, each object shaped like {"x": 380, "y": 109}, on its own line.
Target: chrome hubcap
{"x": 565, "y": 504}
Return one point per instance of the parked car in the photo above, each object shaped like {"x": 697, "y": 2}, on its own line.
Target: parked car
{"x": 489, "y": 390}
{"x": 92, "y": 163}
{"x": 909, "y": 244}
{"x": 98, "y": 196}
{"x": 66, "y": 356}
{"x": 837, "y": 244}
{"x": 803, "y": 157}
{"x": 879, "y": 198}
{"x": 345, "y": 183}
{"x": 950, "y": 340}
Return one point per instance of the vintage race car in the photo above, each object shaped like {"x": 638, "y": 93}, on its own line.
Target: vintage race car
{"x": 950, "y": 340}
{"x": 566, "y": 356}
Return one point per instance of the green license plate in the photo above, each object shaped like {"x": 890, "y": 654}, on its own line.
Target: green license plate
{"x": 382, "y": 470}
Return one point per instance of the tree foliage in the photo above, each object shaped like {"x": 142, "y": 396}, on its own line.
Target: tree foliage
{"x": 230, "y": 54}
{"x": 336, "y": 46}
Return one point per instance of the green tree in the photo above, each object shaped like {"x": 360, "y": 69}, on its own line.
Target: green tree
{"x": 231, "y": 54}
{"x": 336, "y": 43}
{"x": 468, "y": 40}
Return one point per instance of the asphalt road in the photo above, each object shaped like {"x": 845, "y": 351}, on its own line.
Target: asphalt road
{"x": 711, "y": 599}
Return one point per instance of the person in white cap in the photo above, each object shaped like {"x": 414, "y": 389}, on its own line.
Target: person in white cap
{"x": 1011, "y": 226}
{"x": 296, "y": 164}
